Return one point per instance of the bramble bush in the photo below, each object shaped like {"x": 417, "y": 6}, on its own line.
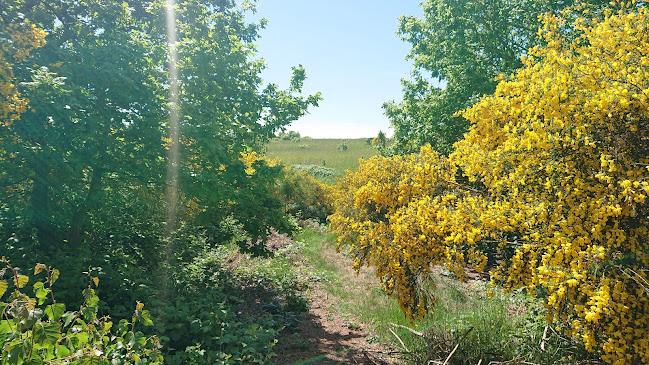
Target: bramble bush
{"x": 227, "y": 307}
{"x": 548, "y": 189}
{"x": 201, "y": 326}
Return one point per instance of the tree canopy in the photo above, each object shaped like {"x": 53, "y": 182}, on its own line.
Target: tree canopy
{"x": 83, "y": 169}
{"x": 458, "y": 49}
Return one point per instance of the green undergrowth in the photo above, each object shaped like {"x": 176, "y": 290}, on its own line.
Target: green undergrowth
{"x": 38, "y": 330}
{"x": 221, "y": 307}
{"x": 324, "y": 174}
{"x": 228, "y": 307}
{"x": 505, "y": 327}
{"x": 236, "y": 306}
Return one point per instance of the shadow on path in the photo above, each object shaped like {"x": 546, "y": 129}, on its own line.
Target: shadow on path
{"x": 324, "y": 337}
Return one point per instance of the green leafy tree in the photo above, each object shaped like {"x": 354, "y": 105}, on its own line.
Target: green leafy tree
{"x": 97, "y": 128}
{"x": 94, "y": 118}
{"x": 380, "y": 140}
{"x": 83, "y": 171}
{"x": 225, "y": 112}
{"x": 462, "y": 46}
{"x": 290, "y": 136}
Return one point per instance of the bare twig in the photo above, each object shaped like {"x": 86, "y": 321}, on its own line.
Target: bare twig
{"x": 545, "y": 336}
{"x": 384, "y": 352}
{"x": 409, "y": 329}
{"x": 413, "y": 354}
{"x": 642, "y": 282}
{"x": 400, "y": 341}
{"x": 417, "y": 333}
{"x": 369, "y": 358}
{"x": 458, "y": 345}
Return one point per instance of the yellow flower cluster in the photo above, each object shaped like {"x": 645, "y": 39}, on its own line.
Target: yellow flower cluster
{"x": 563, "y": 149}
{"x": 16, "y": 41}
{"x": 557, "y": 162}
{"x": 252, "y": 159}
{"x": 400, "y": 215}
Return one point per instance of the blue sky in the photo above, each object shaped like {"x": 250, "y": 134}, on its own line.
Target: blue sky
{"x": 351, "y": 54}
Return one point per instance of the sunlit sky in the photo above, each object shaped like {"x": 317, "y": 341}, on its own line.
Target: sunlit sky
{"x": 351, "y": 54}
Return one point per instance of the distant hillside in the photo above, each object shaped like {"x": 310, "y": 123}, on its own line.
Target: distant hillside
{"x": 328, "y": 153}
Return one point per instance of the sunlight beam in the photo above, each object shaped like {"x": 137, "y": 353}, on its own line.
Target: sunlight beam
{"x": 173, "y": 151}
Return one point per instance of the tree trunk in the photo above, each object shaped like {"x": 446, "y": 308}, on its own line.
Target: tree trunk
{"x": 79, "y": 217}
{"x": 41, "y": 215}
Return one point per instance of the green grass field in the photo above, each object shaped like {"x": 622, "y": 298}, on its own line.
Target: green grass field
{"x": 322, "y": 152}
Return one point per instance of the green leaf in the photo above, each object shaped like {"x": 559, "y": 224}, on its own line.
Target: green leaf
{"x": 68, "y": 318}
{"x": 91, "y": 298}
{"x": 82, "y": 337}
{"x": 39, "y": 268}
{"x": 54, "y": 276}
{"x": 6, "y": 327}
{"x": 32, "y": 316}
{"x": 122, "y": 327}
{"x": 62, "y": 351}
{"x": 47, "y": 334}
{"x": 145, "y": 318}
{"x": 140, "y": 340}
{"x": 3, "y": 287}
{"x": 20, "y": 281}
{"x": 55, "y": 311}
{"x": 13, "y": 351}
{"x": 40, "y": 292}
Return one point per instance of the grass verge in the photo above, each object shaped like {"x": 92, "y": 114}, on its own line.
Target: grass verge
{"x": 506, "y": 327}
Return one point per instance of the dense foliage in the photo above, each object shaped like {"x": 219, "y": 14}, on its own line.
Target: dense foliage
{"x": 305, "y": 197}
{"x": 16, "y": 42}
{"x": 85, "y": 135}
{"x": 548, "y": 189}
{"x": 32, "y": 332}
{"x": 99, "y": 107}
{"x": 458, "y": 48}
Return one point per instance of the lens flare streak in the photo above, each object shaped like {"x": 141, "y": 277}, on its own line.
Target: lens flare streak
{"x": 173, "y": 151}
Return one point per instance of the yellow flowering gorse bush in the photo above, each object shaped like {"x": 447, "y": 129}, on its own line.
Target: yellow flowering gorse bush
{"x": 401, "y": 215}
{"x": 303, "y": 196}
{"x": 550, "y": 184}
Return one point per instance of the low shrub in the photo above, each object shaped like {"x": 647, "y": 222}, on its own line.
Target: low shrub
{"x": 317, "y": 171}
{"x": 227, "y": 307}
{"x": 203, "y": 327}
{"x": 304, "y": 196}
{"x": 39, "y": 330}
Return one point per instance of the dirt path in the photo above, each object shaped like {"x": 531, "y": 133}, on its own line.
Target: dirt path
{"x": 325, "y": 337}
